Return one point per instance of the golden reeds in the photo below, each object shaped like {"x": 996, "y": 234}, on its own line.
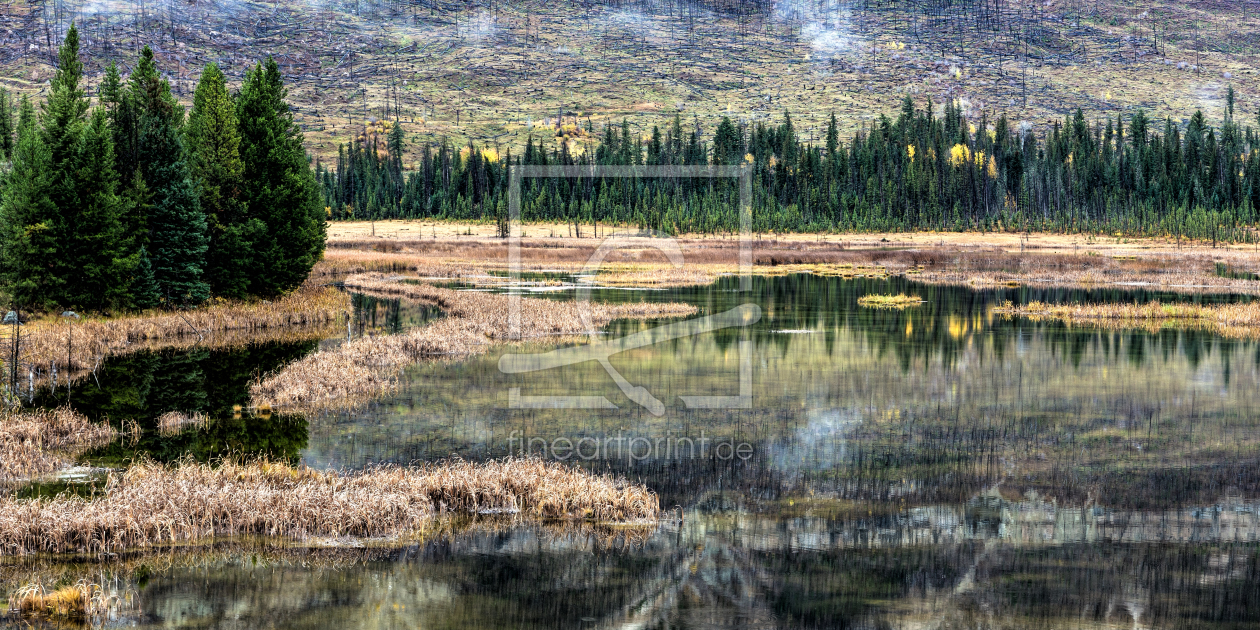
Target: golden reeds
{"x": 1240, "y": 320}
{"x": 172, "y": 422}
{"x": 151, "y": 504}
{"x": 367, "y": 367}
{"x": 44, "y": 341}
{"x": 38, "y": 442}
{"x": 75, "y": 602}
{"x": 659, "y": 275}
{"x": 901, "y": 300}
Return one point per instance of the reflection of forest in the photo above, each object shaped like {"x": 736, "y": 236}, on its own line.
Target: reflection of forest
{"x": 699, "y": 575}
{"x": 933, "y": 403}
{"x": 932, "y": 467}
{"x": 143, "y": 385}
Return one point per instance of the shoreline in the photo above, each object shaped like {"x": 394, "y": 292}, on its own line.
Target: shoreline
{"x": 151, "y": 504}
{"x": 956, "y": 258}
{"x": 368, "y": 367}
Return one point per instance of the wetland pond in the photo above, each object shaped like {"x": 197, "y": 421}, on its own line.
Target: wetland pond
{"x": 936, "y": 466}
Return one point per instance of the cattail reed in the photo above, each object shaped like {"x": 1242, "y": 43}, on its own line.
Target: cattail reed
{"x": 151, "y": 504}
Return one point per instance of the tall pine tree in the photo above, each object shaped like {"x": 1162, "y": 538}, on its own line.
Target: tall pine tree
{"x": 101, "y": 254}
{"x": 6, "y": 125}
{"x": 177, "y": 243}
{"x": 92, "y": 262}
{"x": 280, "y": 188}
{"x": 29, "y": 219}
{"x": 214, "y": 141}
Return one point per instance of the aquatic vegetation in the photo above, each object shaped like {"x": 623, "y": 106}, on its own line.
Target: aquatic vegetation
{"x": 152, "y": 504}
{"x": 52, "y": 343}
{"x": 74, "y": 602}
{"x": 901, "y": 300}
{"x": 172, "y": 422}
{"x": 367, "y": 367}
{"x": 1238, "y": 320}
{"x": 37, "y": 442}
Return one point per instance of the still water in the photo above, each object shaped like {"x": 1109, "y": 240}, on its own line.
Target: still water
{"x": 932, "y": 467}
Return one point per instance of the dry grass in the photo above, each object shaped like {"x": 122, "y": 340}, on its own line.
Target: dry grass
{"x": 968, "y": 258}
{"x": 72, "y": 603}
{"x": 901, "y": 300}
{"x": 172, "y": 422}
{"x": 367, "y": 367}
{"x": 150, "y": 504}
{"x": 44, "y": 341}
{"x": 367, "y": 257}
{"x": 1239, "y": 321}
{"x": 34, "y": 443}
{"x": 656, "y": 275}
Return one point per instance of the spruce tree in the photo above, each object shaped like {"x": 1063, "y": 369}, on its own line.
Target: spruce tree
{"x": 92, "y": 262}
{"x": 176, "y": 243}
{"x": 99, "y": 253}
{"x": 123, "y": 118}
{"x": 280, "y": 189}
{"x": 213, "y": 140}
{"x": 144, "y": 286}
{"x": 64, "y": 115}
{"x": 6, "y": 125}
{"x": 29, "y": 219}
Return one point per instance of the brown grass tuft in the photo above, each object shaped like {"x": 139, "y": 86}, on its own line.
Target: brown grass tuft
{"x": 1239, "y": 321}
{"x": 172, "y": 422}
{"x": 72, "y": 603}
{"x": 150, "y": 504}
{"x": 901, "y": 300}
{"x": 367, "y": 367}
{"x": 38, "y": 442}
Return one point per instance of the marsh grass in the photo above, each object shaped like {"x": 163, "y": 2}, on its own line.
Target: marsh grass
{"x": 1238, "y": 320}
{"x": 51, "y": 345}
{"x": 34, "y": 443}
{"x": 367, "y": 367}
{"x": 173, "y": 422}
{"x": 901, "y": 300}
{"x": 997, "y": 259}
{"x": 75, "y": 602}
{"x": 151, "y": 504}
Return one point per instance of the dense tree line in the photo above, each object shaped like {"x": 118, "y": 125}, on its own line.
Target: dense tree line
{"x": 133, "y": 204}
{"x": 917, "y": 171}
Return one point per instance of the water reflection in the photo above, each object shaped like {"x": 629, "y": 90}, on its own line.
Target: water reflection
{"x": 700, "y": 575}
{"x": 141, "y": 386}
{"x": 935, "y": 402}
{"x": 930, "y": 467}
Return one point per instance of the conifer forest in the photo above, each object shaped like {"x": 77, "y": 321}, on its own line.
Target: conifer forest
{"x": 630, "y": 314}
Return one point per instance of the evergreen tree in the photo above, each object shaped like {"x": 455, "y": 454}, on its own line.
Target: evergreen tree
{"x": 144, "y": 287}
{"x": 728, "y": 144}
{"x": 28, "y": 219}
{"x": 100, "y": 254}
{"x": 91, "y": 261}
{"x": 6, "y": 125}
{"x": 64, "y": 115}
{"x": 176, "y": 243}
{"x": 123, "y": 118}
{"x": 280, "y": 188}
{"x": 214, "y": 141}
